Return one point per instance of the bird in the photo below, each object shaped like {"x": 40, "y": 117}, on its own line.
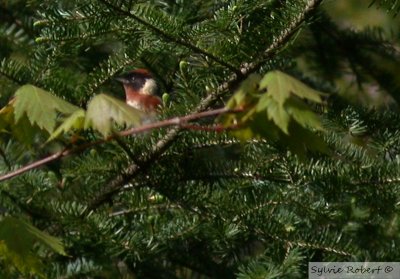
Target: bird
{"x": 141, "y": 90}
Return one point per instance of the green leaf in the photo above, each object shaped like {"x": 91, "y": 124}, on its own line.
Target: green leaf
{"x": 40, "y": 106}
{"x": 302, "y": 114}
{"x": 302, "y": 139}
{"x": 6, "y": 116}
{"x": 280, "y": 113}
{"x": 246, "y": 92}
{"x": 104, "y": 109}
{"x": 24, "y": 132}
{"x": 74, "y": 121}
{"x": 25, "y": 261}
{"x": 280, "y": 117}
{"x": 277, "y": 114}
{"x": 280, "y": 86}
{"x": 17, "y": 240}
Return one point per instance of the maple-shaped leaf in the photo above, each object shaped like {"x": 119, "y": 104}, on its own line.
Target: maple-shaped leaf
{"x": 104, "y": 110}
{"x": 40, "y": 106}
{"x": 24, "y": 132}
{"x": 284, "y": 101}
{"x": 17, "y": 240}
{"x": 280, "y": 86}
{"x": 276, "y": 107}
{"x": 246, "y": 94}
{"x": 6, "y": 116}
{"x": 302, "y": 114}
{"x": 75, "y": 121}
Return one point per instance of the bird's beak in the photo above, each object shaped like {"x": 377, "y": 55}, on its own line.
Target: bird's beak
{"x": 121, "y": 79}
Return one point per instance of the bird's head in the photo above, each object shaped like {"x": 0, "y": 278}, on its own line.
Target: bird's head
{"x": 139, "y": 80}
{"x": 140, "y": 89}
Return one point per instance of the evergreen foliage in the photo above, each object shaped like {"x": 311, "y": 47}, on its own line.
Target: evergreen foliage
{"x": 307, "y": 176}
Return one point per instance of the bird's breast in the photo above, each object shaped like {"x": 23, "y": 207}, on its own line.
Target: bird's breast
{"x": 142, "y": 102}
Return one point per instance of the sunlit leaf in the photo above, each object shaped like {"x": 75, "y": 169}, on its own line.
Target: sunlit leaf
{"x": 278, "y": 114}
{"x": 275, "y": 107}
{"x": 40, "y": 106}
{"x": 244, "y": 95}
{"x": 103, "y": 110}
{"x": 74, "y": 121}
{"x": 280, "y": 86}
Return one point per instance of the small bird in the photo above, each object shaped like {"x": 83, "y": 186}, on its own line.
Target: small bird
{"x": 140, "y": 90}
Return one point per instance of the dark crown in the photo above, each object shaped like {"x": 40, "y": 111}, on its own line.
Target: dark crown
{"x": 137, "y": 76}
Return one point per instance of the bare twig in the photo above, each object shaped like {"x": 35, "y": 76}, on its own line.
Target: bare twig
{"x": 176, "y": 121}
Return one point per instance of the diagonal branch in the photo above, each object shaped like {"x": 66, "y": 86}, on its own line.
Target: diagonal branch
{"x": 176, "y": 121}
{"x": 171, "y": 38}
{"x": 130, "y": 172}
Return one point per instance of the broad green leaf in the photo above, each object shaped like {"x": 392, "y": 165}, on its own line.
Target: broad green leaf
{"x": 302, "y": 139}
{"x": 244, "y": 134}
{"x": 74, "y": 121}
{"x": 281, "y": 86}
{"x": 264, "y": 128}
{"x": 302, "y": 114}
{"x": 24, "y": 132}
{"x": 104, "y": 109}
{"x": 25, "y": 261}
{"x": 278, "y": 115}
{"x": 17, "y": 239}
{"x": 6, "y": 116}
{"x": 40, "y": 106}
{"x": 11, "y": 227}
{"x": 51, "y": 242}
{"x": 245, "y": 94}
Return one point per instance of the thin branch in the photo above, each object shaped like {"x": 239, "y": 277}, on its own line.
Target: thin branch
{"x": 176, "y": 121}
{"x": 285, "y": 35}
{"x": 158, "y": 207}
{"x": 171, "y": 38}
{"x": 235, "y": 176}
{"x": 35, "y": 164}
{"x": 309, "y": 245}
{"x": 130, "y": 172}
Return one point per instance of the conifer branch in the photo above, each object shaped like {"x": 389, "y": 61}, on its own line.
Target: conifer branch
{"x": 285, "y": 35}
{"x": 156, "y": 207}
{"x": 130, "y": 172}
{"x": 12, "y": 78}
{"x": 309, "y": 245}
{"x": 171, "y": 38}
{"x": 5, "y": 160}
